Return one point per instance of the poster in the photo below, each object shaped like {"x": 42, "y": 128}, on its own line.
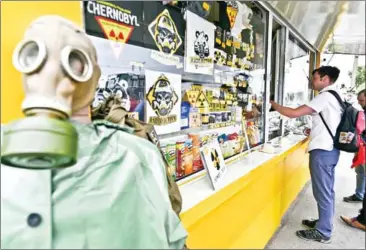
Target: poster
{"x": 128, "y": 87}
{"x": 214, "y": 162}
{"x": 200, "y": 45}
{"x": 119, "y": 21}
{"x": 163, "y": 98}
{"x": 165, "y": 30}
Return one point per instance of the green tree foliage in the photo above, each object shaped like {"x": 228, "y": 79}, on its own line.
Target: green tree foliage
{"x": 360, "y": 76}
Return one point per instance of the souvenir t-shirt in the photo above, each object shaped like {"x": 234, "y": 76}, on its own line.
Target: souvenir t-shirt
{"x": 248, "y": 38}
{"x": 214, "y": 15}
{"x": 119, "y": 21}
{"x": 224, "y": 21}
{"x": 235, "y": 9}
{"x": 220, "y": 46}
{"x": 201, "y": 8}
{"x": 229, "y": 48}
{"x": 231, "y": 13}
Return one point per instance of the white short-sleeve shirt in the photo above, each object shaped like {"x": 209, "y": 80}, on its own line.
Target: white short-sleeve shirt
{"x": 328, "y": 105}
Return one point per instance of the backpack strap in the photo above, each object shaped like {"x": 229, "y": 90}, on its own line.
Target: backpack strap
{"x": 326, "y": 125}
{"x": 339, "y": 99}
{"x": 341, "y": 102}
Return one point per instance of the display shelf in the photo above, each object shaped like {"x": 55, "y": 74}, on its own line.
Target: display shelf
{"x": 235, "y": 171}
{"x": 205, "y": 129}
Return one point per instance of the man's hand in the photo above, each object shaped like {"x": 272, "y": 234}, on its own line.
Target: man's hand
{"x": 274, "y": 105}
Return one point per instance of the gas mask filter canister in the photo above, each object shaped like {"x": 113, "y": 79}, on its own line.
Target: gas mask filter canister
{"x": 59, "y": 77}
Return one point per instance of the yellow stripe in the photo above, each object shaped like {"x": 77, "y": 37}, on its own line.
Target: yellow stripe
{"x": 246, "y": 213}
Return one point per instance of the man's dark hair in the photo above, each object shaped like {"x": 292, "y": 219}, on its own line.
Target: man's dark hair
{"x": 331, "y": 72}
{"x": 362, "y": 92}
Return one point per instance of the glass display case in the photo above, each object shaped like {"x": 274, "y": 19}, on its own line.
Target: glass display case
{"x": 195, "y": 70}
{"x": 296, "y": 83}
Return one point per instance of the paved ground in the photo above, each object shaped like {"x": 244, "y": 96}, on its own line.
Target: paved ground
{"x": 305, "y": 207}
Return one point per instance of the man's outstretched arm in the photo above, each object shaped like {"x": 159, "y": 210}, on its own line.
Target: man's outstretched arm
{"x": 293, "y": 112}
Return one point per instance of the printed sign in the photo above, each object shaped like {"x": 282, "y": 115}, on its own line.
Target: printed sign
{"x": 200, "y": 45}
{"x": 163, "y": 96}
{"x": 166, "y": 37}
{"x": 117, "y": 21}
{"x": 214, "y": 162}
{"x": 165, "y": 34}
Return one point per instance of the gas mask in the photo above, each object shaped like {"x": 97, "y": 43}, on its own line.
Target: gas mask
{"x": 60, "y": 72}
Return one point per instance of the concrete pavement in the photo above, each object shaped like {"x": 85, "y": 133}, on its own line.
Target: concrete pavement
{"x": 304, "y": 207}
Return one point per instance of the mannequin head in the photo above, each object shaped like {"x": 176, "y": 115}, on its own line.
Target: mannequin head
{"x": 60, "y": 72}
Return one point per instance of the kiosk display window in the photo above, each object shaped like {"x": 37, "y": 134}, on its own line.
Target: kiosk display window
{"x": 193, "y": 70}
{"x": 296, "y": 84}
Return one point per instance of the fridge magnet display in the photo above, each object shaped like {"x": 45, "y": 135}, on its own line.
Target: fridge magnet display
{"x": 166, "y": 37}
{"x": 200, "y": 45}
{"x": 214, "y": 162}
{"x": 163, "y": 95}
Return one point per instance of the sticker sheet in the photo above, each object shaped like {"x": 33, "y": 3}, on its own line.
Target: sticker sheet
{"x": 200, "y": 41}
{"x": 163, "y": 101}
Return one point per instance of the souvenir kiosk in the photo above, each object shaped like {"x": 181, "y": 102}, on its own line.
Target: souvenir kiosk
{"x": 203, "y": 73}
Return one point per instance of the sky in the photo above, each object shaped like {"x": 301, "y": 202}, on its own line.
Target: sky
{"x": 345, "y": 64}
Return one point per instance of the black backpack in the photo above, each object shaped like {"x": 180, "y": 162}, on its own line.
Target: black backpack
{"x": 345, "y": 138}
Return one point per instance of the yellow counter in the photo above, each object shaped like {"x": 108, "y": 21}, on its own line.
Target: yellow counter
{"x": 247, "y": 212}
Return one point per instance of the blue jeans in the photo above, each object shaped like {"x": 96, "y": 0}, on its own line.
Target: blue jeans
{"x": 360, "y": 181}
{"x": 322, "y": 166}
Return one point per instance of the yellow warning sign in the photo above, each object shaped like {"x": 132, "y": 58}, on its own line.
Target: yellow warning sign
{"x": 115, "y": 31}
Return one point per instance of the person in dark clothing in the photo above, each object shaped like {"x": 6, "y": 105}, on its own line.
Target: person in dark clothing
{"x": 360, "y": 171}
{"x": 359, "y": 221}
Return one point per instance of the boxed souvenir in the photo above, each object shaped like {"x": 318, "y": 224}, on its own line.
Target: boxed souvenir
{"x": 184, "y": 115}
{"x": 195, "y": 120}
{"x": 196, "y": 144}
{"x": 169, "y": 152}
{"x": 184, "y": 158}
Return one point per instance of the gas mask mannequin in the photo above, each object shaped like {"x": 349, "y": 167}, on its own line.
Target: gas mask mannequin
{"x": 60, "y": 74}
{"x": 107, "y": 198}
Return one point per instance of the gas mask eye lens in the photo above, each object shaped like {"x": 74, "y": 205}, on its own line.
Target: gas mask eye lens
{"x": 77, "y": 64}
{"x": 29, "y": 56}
